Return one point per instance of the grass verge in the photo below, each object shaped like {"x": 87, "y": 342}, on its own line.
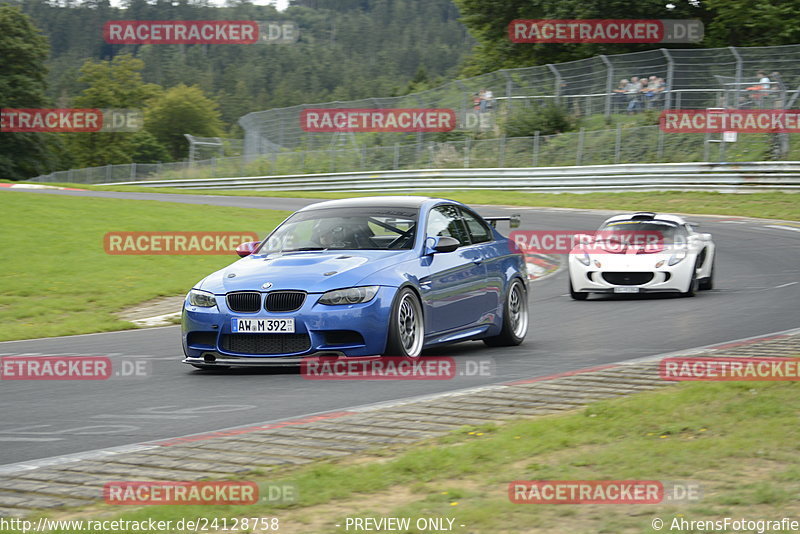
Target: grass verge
{"x": 58, "y": 280}
{"x": 738, "y": 441}
{"x": 761, "y": 205}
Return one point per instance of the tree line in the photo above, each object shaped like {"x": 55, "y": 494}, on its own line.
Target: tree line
{"x": 346, "y": 50}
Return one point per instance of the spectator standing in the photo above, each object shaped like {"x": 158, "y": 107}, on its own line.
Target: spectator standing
{"x": 760, "y": 90}
{"x": 633, "y": 93}
{"x": 486, "y": 100}
{"x": 618, "y": 98}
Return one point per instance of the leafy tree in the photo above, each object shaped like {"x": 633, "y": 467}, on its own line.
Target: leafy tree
{"x": 487, "y": 21}
{"x": 110, "y": 84}
{"x": 748, "y": 23}
{"x": 145, "y": 148}
{"x": 23, "y": 52}
{"x": 545, "y": 119}
{"x": 182, "y": 110}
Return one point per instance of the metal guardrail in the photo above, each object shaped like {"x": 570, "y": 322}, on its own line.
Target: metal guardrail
{"x": 722, "y": 177}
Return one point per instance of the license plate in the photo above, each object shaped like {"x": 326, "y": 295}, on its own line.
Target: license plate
{"x": 626, "y": 290}
{"x": 259, "y": 326}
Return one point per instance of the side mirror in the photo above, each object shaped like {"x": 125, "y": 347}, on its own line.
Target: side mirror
{"x": 442, "y": 244}
{"x": 247, "y": 248}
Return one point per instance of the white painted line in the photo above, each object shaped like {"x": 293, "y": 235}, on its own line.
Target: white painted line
{"x": 129, "y": 331}
{"x": 142, "y": 416}
{"x": 71, "y": 458}
{"x": 10, "y": 438}
{"x": 786, "y": 285}
{"x": 781, "y": 227}
{"x": 156, "y": 320}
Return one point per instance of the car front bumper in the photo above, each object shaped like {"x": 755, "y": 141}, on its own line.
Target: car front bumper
{"x": 345, "y": 330}
{"x": 641, "y": 274}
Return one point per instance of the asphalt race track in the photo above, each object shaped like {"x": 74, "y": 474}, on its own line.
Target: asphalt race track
{"x": 757, "y": 292}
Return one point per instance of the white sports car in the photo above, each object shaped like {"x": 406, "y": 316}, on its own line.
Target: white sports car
{"x": 680, "y": 260}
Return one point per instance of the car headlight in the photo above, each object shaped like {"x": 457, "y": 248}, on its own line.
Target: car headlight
{"x": 676, "y": 257}
{"x": 351, "y": 295}
{"x": 584, "y": 259}
{"x": 203, "y": 299}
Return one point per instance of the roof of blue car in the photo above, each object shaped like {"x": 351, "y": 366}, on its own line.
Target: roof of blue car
{"x": 383, "y": 201}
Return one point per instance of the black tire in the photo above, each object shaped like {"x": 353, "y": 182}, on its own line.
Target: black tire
{"x": 515, "y": 317}
{"x": 406, "y": 326}
{"x": 708, "y": 282}
{"x": 577, "y": 295}
{"x": 693, "y": 284}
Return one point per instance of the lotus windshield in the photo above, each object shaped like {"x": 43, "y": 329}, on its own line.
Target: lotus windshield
{"x": 664, "y": 232}
{"x": 344, "y": 229}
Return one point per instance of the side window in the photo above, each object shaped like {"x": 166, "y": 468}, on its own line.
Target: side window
{"x": 444, "y": 221}
{"x": 478, "y": 231}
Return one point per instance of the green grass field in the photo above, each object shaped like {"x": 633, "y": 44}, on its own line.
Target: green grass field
{"x": 737, "y": 441}
{"x": 58, "y": 280}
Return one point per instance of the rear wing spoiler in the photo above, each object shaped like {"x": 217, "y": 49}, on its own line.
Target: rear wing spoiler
{"x": 513, "y": 220}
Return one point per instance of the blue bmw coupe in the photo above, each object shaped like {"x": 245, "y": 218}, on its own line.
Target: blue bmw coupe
{"x": 360, "y": 277}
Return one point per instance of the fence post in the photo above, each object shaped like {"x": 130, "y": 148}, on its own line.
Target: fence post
{"x": 669, "y": 81}
{"x": 738, "y": 77}
{"x": 109, "y": 168}
{"x": 332, "y": 155}
{"x": 609, "y": 84}
{"x": 396, "y": 156}
{"x": 502, "y": 156}
{"x": 133, "y": 172}
{"x": 509, "y": 88}
{"x": 660, "y": 154}
{"x": 363, "y": 157}
{"x": 214, "y": 166}
{"x": 618, "y": 144}
{"x": 557, "y": 75}
{"x": 579, "y": 155}
{"x": 467, "y": 149}
{"x": 535, "y": 162}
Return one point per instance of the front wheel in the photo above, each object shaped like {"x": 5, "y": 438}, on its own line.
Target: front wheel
{"x": 406, "y": 326}
{"x": 693, "y": 284}
{"x": 708, "y": 282}
{"x": 577, "y": 295}
{"x": 515, "y": 318}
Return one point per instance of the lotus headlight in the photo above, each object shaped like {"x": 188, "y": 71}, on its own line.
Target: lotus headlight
{"x": 676, "y": 257}
{"x": 203, "y": 299}
{"x": 351, "y": 295}
{"x": 584, "y": 258}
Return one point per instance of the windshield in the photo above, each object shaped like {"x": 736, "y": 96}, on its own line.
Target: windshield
{"x": 667, "y": 233}
{"x": 372, "y": 228}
